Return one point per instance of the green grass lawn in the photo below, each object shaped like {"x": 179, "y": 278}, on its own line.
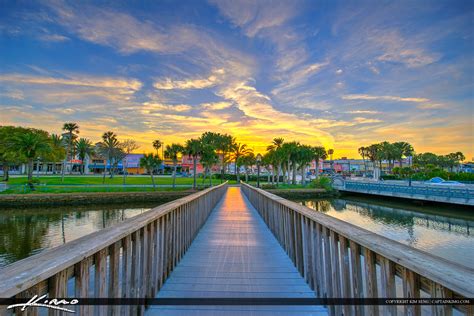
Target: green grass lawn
{"x": 118, "y": 179}
{"x": 72, "y": 184}
{"x": 46, "y": 189}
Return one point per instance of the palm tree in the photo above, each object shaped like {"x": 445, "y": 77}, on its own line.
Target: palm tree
{"x": 330, "y": 153}
{"x": 304, "y": 155}
{"x": 209, "y": 158}
{"x": 150, "y": 162}
{"x": 290, "y": 153}
{"x": 172, "y": 152}
{"x": 319, "y": 152}
{"x": 84, "y": 148}
{"x": 31, "y": 145}
{"x": 363, "y": 153}
{"x": 276, "y": 148}
{"x": 239, "y": 151}
{"x": 71, "y": 129}
{"x": 194, "y": 149}
{"x": 157, "y": 144}
{"x": 58, "y": 149}
{"x": 107, "y": 148}
{"x": 374, "y": 153}
{"x": 403, "y": 149}
{"x": 247, "y": 161}
{"x": 129, "y": 145}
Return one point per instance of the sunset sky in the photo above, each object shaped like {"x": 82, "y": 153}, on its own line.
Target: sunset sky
{"x": 338, "y": 73}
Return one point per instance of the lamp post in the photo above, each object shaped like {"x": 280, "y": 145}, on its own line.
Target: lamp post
{"x": 259, "y": 159}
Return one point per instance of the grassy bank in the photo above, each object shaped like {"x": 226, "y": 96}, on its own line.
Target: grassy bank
{"x": 87, "y": 198}
{"x": 79, "y": 184}
{"x": 136, "y": 180}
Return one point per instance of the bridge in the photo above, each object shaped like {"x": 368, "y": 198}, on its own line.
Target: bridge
{"x": 444, "y": 194}
{"x": 235, "y": 244}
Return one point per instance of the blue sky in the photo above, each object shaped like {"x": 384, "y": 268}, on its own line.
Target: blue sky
{"x": 338, "y": 73}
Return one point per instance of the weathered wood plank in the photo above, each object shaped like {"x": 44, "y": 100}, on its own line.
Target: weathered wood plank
{"x": 58, "y": 289}
{"x": 411, "y": 289}
{"x": 371, "y": 280}
{"x": 82, "y": 285}
{"x": 356, "y": 267}
{"x": 100, "y": 275}
{"x": 114, "y": 284}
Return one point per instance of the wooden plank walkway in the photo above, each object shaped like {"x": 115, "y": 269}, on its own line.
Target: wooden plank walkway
{"x": 235, "y": 255}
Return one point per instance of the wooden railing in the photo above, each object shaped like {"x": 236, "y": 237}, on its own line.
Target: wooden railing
{"x": 340, "y": 260}
{"x": 129, "y": 260}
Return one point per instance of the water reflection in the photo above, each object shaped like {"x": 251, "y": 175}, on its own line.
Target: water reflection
{"x": 434, "y": 230}
{"x": 24, "y": 233}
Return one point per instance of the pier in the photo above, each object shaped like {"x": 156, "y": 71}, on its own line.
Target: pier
{"x": 237, "y": 242}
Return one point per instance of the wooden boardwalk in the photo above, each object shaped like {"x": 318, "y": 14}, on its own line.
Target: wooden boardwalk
{"x": 235, "y": 256}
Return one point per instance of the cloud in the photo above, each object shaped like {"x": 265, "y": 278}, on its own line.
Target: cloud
{"x": 125, "y": 86}
{"x": 216, "y": 105}
{"x": 150, "y": 107}
{"x": 428, "y": 106}
{"x": 53, "y": 38}
{"x": 169, "y": 84}
{"x": 256, "y": 16}
{"x": 363, "y": 112}
{"x": 382, "y": 97}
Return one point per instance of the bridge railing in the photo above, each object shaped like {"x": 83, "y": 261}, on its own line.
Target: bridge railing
{"x": 129, "y": 260}
{"x": 426, "y": 190}
{"x": 341, "y": 260}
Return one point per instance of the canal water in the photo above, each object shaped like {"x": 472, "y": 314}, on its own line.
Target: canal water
{"x": 447, "y": 232}
{"x": 25, "y": 232}
{"x": 444, "y": 231}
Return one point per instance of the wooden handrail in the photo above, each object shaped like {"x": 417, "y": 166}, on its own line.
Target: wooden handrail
{"x": 339, "y": 259}
{"x": 133, "y": 257}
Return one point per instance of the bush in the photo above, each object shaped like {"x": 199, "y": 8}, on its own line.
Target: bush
{"x": 322, "y": 183}
{"x": 390, "y": 177}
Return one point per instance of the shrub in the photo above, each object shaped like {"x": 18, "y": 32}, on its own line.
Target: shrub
{"x": 322, "y": 183}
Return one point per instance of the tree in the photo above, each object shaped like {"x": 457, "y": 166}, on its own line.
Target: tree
{"x": 275, "y": 147}
{"x": 402, "y": 149}
{"x": 389, "y": 153}
{"x": 31, "y": 145}
{"x": 330, "y": 153}
{"x": 290, "y": 152}
{"x": 108, "y": 148}
{"x": 9, "y": 155}
{"x": 58, "y": 149}
{"x": 363, "y": 151}
{"x": 319, "y": 152}
{"x": 128, "y": 145}
{"x": 194, "y": 149}
{"x": 247, "y": 161}
{"x": 84, "y": 148}
{"x": 374, "y": 154}
{"x": 239, "y": 151}
{"x": 304, "y": 156}
{"x": 209, "y": 158}
{"x": 72, "y": 129}
{"x": 157, "y": 144}
{"x": 172, "y": 152}
{"x": 454, "y": 159}
{"x": 150, "y": 162}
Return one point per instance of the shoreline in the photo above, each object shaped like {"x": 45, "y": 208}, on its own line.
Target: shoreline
{"x": 87, "y": 198}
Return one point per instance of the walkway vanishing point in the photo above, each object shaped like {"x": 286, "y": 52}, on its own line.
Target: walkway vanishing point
{"x": 235, "y": 256}
{"x": 235, "y": 242}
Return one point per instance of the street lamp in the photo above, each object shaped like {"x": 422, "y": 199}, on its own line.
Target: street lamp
{"x": 259, "y": 159}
